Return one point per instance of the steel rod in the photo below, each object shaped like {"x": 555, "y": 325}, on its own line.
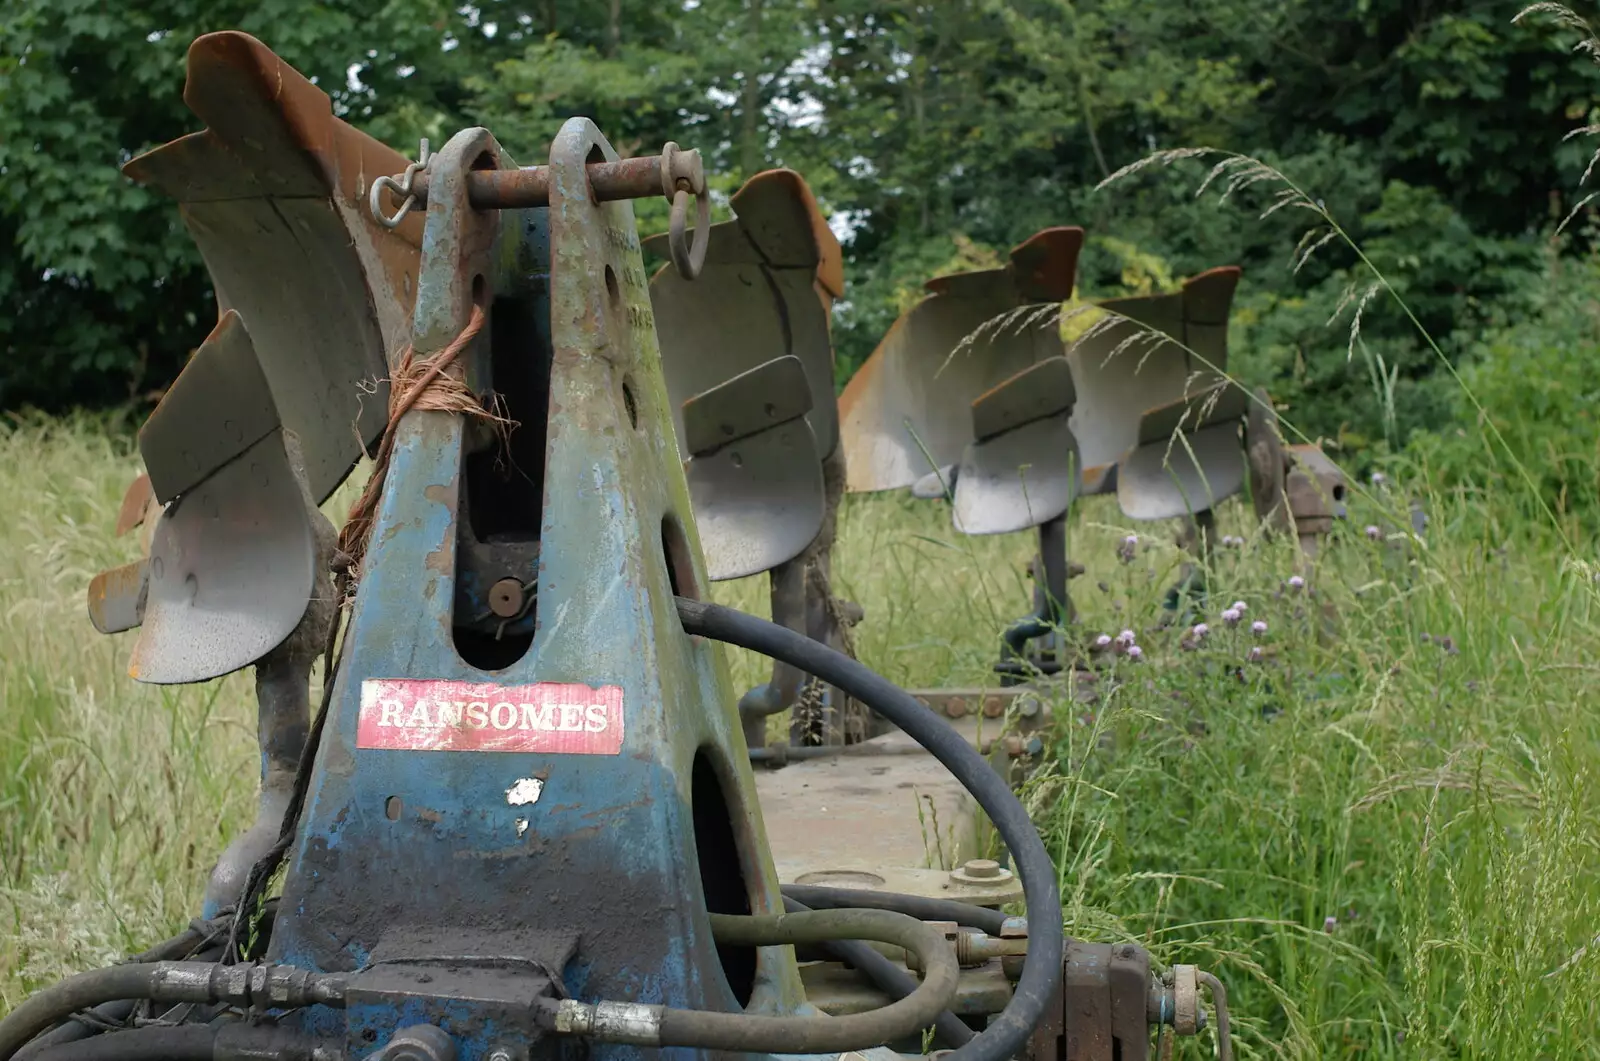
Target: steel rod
{"x": 519, "y": 189}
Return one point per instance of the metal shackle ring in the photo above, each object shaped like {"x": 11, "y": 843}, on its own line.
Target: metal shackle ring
{"x": 689, "y": 259}
{"x": 682, "y": 177}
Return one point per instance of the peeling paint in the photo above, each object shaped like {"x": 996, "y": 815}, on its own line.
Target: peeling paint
{"x": 524, "y": 792}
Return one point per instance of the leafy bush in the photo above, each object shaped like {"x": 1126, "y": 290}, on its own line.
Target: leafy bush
{"x": 1538, "y": 381}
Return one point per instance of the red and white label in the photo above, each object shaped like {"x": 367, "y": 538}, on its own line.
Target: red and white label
{"x": 445, "y": 716}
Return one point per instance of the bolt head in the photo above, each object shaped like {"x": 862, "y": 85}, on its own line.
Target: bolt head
{"x": 982, "y": 867}
{"x": 993, "y": 706}
{"x": 506, "y": 597}
{"x": 1014, "y": 928}
{"x": 955, "y": 707}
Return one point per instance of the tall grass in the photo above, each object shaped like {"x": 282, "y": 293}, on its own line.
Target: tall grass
{"x": 1386, "y": 844}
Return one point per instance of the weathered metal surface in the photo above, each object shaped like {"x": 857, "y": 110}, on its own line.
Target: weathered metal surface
{"x": 1189, "y": 456}
{"x": 273, "y": 194}
{"x": 232, "y": 564}
{"x": 1102, "y": 1013}
{"x": 898, "y": 809}
{"x": 1023, "y": 467}
{"x": 747, "y": 404}
{"x": 628, "y": 850}
{"x": 1018, "y": 479}
{"x": 734, "y": 338}
{"x": 219, "y": 406}
{"x": 1124, "y": 367}
{"x": 136, "y": 502}
{"x": 759, "y": 501}
{"x": 766, "y": 291}
{"x": 907, "y": 411}
{"x": 1269, "y": 464}
{"x": 117, "y": 596}
{"x": 1187, "y": 474}
{"x": 640, "y": 177}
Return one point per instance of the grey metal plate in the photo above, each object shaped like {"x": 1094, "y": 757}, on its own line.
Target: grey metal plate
{"x": 757, "y": 502}
{"x": 1197, "y": 408}
{"x": 287, "y": 266}
{"x": 116, "y": 597}
{"x": 219, "y": 406}
{"x": 1040, "y": 390}
{"x": 1163, "y": 481}
{"x": 1017, "y": 480}
{"x": 1117, "y": 383}
{"x": 907, "y": 410}
{"x": 935, "y": 484}
{"x": 231, "y": 570}
{"x": 749, "y": 403}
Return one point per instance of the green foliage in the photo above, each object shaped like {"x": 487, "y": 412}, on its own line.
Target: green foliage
{"x": 1542, "y": 384}
{"x": 1433, "y": 132}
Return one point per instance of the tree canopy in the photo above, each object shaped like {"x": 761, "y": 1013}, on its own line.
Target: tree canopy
{"x": 937, "y": 133}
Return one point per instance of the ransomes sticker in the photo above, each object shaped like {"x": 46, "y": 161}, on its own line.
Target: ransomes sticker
{"x": 448, "y": 716}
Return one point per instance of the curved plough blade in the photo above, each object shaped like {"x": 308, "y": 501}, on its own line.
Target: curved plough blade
{"x": 1022, "y": 470}
{"x": 1151, "y": 356}
{"x": 231, "y": 556}
{"x": 907, "y": 410}
{"x": 755, "y": 479}
{"x": 746, "y": 349}
{"x": 272, "y": 194}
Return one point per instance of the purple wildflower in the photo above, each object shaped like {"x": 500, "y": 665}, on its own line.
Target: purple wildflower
{"x": 1296, "y": 582}
{"x": 1373, "y": 533}
{"x": 1135, "y": 652}
{"x": 1258, "y": 628}
{"x": 1255, "y": 654}
{"x": 1201, "y": 629}
{"x": 1231, "y": 617}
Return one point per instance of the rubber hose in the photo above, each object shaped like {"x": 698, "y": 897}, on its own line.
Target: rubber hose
{"x": 749, "y": 1033}
{"x": 887, "y": 977}
{"x": 60, "y": 1001}
{"x": 73, "y": 1029}
{"x": 818, "y": 896}
{"x": 1007, "y": 1034}
{"x": 187, "y": 1042}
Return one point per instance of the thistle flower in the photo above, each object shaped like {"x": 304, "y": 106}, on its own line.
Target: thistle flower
{"x": 1201, "y": 629}
{"x": 1240, "y": 606}
{"x": 1330, "y": 923}
{"x": 1135, "y": 652}
{"x": 1231, "y": 617}
{"x": 1127, "y": 637}
{"x": 1127, "y": 548}
{"x": 1255, "y": 654}
{"x": 1373, "y": 533}
{"x": 1258, "y": 628}
{"x": 1378, "y": 478}
{"x": 1296, "y": 583}
{"x": 1103, "y": 641}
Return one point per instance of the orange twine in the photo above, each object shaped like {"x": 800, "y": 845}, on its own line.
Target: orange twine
{"x": 414, "y": 385}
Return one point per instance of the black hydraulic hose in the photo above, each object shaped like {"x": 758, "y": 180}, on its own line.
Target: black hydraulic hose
{"x": 887, "y": 977}
{"x": 193, "y": 943}
{"x": 747, "y": 1033}
{"x": 819, "y": 896}
{"x": 186, "y": 1042}
{"x": 1041, "y": 972}
{"x": 60, "y": 1001}
{"x": 172, "y": 982}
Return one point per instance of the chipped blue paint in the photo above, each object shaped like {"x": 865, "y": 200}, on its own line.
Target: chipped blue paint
{"x": 609, "y": 850}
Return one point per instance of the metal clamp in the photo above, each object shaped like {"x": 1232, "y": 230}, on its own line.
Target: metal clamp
{"x": 404, "y": 188}
{"x": 681, "y": 177}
